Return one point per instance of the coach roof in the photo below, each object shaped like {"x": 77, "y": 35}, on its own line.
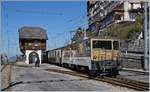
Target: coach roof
{"x": 32, "y": 33}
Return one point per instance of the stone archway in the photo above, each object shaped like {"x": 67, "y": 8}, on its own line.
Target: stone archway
{"x": 33, "y": 57}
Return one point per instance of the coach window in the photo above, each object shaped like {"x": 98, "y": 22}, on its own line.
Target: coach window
{"x": 87, "y": 47}
{"x": 50, "y": 53}
{"x": 58, "y": 53}
{"x": 53, "y": 53}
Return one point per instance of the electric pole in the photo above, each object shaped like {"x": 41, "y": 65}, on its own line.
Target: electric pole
{"x": 145, "y": 36}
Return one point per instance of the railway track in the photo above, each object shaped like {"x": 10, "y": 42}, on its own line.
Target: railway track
{"x": 119, "y": 81}
{"x": 136, "y": 71}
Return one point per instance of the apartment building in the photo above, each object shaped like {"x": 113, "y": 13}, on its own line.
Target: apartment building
{"x": 103, "y": 13}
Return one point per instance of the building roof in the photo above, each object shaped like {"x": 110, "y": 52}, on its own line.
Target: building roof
{"x": 32, "y": 33}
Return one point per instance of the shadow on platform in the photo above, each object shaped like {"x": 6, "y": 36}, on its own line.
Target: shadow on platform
{"x": 41, "y": 81}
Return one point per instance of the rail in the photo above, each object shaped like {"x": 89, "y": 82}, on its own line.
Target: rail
{"x": 132, "y": 84}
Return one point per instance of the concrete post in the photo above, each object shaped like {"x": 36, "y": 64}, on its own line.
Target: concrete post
{"x": 126, "y": 11}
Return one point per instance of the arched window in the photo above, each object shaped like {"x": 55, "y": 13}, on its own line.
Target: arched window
{"x": 36, "y": 43}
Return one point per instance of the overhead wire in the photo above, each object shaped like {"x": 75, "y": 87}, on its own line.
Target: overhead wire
{"x": 55, "y": 13}
{"x": 80, "y": 19}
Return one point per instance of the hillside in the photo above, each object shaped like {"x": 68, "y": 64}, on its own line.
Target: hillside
{"x": 124, "y": 30}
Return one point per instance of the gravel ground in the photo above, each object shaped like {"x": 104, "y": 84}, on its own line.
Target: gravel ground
{"x": 37, "y": 79}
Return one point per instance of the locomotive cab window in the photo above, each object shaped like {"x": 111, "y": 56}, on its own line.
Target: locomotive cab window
{"x": 105, "y": 45}
{"x": 116, "y": 45}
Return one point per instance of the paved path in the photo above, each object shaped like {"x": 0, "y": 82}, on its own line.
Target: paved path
{"x": 32, "y": 78}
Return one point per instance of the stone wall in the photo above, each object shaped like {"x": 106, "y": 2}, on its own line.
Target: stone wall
{"x": 5, "y": 76}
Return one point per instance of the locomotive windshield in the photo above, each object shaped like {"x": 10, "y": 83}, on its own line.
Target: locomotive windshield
{"x": 105, "y": 45}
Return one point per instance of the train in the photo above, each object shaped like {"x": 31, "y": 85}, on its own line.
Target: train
{"x": 96, "y": 55}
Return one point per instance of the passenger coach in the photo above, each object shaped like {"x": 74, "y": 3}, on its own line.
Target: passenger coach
{"x": 96, "y": 55}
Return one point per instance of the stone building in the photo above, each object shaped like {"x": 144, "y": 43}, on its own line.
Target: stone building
{"x": 32, "y": 41}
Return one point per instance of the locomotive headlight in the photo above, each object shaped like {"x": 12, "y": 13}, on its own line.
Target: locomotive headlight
{"x": 114, "y": 58}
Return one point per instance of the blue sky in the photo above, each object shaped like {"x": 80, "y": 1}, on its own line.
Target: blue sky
{"x": 57, "y": 18}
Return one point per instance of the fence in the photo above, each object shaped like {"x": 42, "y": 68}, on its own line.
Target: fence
{"x": 133, "y": 59}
